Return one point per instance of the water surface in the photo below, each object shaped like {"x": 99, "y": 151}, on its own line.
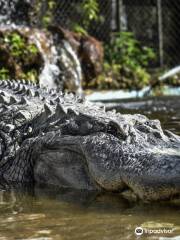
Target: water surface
{"x": 45, "y": 214}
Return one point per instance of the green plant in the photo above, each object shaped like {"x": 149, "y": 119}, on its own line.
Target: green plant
{"x": 20, "y": 59}
{"x": 48, "y": 17}
{"x": 79, "y": 29}
{"x": 32, "y": 49}
{"x": 18, "y": 46}
{"x": 4, "y": 73}
{"x": 89, "y": 10}
{"x": 125, "y": 49}
{"x": 16, "y": 43}
{"x": 131, "y": 58}
{"x": 31, "y": 75}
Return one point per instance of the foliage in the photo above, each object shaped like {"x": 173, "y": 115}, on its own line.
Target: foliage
{"x": 4, "y": 73}
{"x": 48, "y": 17}
{"x": 78, "y": 29}
{"x": 31, "y": 75}
{"x": 126, "y": 63}
{"x": 18, "y": 57}
{"x": 18, "y": 46}
{"x": 15, "y": 43}
{"x": 89, "y": 10}
{"x": 125, "y": 49}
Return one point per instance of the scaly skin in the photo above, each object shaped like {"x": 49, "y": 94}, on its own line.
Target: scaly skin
{"x": 54, "y": 139}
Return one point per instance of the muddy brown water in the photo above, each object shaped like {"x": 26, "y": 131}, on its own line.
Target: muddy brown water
{"x": 47, "y": 214}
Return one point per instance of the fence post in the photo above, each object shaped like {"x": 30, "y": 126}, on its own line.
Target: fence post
{"x": 121, "y": 13}
{"x": 160, "y": 30}
{"x": 118, "y": 15}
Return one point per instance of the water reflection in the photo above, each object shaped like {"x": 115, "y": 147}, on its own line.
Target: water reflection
{"x": 46, "y": 214}
{"x": 55, "y": 214}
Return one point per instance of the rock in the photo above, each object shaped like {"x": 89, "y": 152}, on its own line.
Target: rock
{"x": 31, "y": 53}
{"x": 91, "y": 55}
{"x": 56, "y": 58}
{"x": 88, "y": 49}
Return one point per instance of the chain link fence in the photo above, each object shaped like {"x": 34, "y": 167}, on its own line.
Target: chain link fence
{"x": 68, "y": 12}
{"x": 155, "y": 23}
{"x": 171, "y": 32}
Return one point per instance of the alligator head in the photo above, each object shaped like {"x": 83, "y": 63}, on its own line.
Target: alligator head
{"x": 129, "y": 152}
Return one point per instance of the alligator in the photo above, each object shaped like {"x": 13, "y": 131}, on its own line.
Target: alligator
{"x": 50, "y": 138}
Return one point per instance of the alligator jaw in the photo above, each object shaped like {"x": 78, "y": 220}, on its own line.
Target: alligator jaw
{"x": 155, "y": 174}
{"x": 60, "y": 162}
{"x": 75, "y": 161}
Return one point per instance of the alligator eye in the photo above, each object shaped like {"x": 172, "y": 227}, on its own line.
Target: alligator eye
{"x": 114, "y": 129}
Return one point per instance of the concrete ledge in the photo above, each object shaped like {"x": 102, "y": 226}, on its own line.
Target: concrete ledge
{"x": 113, "y": 95}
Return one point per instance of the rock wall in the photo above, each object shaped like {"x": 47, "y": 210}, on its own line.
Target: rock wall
{"x": 54, "y": 57}
{"x": 88, "y": 49}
